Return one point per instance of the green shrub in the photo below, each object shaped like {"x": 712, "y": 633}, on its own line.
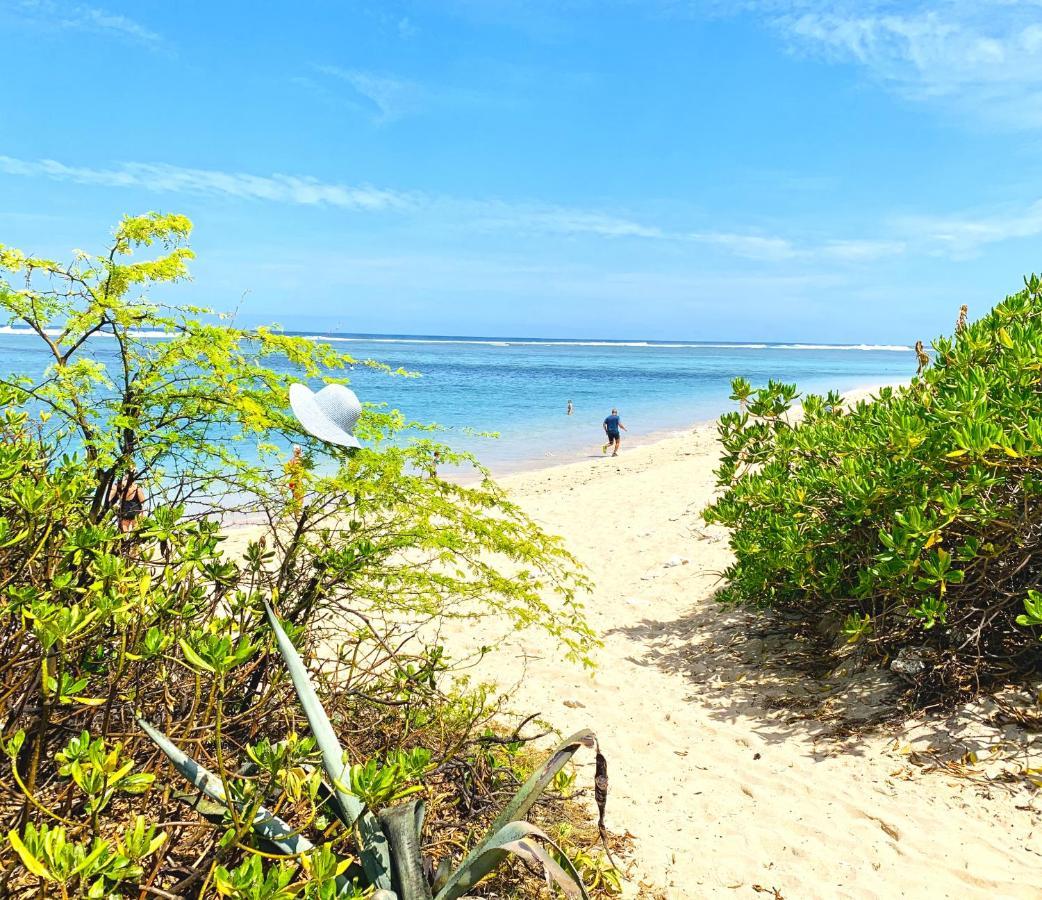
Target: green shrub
{"x": 100, "y": 628}
{"x": 912, "y": 521}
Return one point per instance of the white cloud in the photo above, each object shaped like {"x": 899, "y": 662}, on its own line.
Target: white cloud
{"x": 754, "y": 246}
{"x": 54, "y": 15}
{"x": 88, "y": 17}
{"x": 750, "y": 246}
{"x": 862, "y": 250}
{"x": 560, "y": 220}
{"x": 161, "y": 178}
{"x": 387, "y": 97}
{"x": 406, "y": 28}
{"x": 984, "y": 58}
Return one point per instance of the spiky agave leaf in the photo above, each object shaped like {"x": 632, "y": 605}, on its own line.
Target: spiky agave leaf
{"x": 516, "y": 809}
{"x": 271, "y": 828}
{"x": 403, "y": 825}
{"x": 537, "y": 782}
{"x": 217, "y": 814}
{"x": 442, "y": 874}
{"x": 376, "y": 858}
{"x": 210, "y": 810}
{"x": 516, "y": 838}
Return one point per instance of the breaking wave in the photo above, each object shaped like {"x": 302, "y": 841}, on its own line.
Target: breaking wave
{"x": 651, "y": 345}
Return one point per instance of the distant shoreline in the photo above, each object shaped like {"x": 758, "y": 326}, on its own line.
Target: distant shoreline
{"x": 651, "y": 343}
{"x": 522, "y": 341}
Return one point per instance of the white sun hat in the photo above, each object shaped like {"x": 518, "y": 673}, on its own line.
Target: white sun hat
{"x": 329, "y": 414}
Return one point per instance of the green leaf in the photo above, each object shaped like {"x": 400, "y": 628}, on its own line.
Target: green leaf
{"x": 470, "y": 872}
{"x": 28, "y": 860}
{"x": 194, "y": 658}
{"x": 403, "y": 825}
{"x": 538, "y": 781}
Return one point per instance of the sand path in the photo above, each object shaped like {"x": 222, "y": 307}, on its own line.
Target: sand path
{"x": 724, "y": 796}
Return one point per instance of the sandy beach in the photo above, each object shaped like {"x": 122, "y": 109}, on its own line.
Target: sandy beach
{"x": 732, "y": 771}
{"x": 727, "y": 786}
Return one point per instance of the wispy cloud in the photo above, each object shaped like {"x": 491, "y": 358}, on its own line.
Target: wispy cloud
{"x": 862, "y": 250}
{"x": 406, "y": 28}
{"x": 955, "y": 235}
{"x": 566, "y": 221}
{"x": 749, "y": 246}
{"x": 161, "y": 178}
{"x": 962, "y": 235}
{"x": 388, "y": 97}
{"x": 560, "y": 220}
{"x": 746, "y": 245}
{"x": 391, "y": 97}
{"x": 981, "y": 57}
{"x": 771, "y": 248}
{"x": 54, "y": 15}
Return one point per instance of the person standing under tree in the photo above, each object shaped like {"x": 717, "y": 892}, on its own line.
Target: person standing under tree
{"x": 129, "y": 499}
{"x": 612, "y": 425}
{"x": 922, "y": 356}
{"x": 295, "y": 480}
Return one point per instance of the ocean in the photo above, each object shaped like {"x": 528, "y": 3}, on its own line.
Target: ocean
{"x": 519, "y": 387}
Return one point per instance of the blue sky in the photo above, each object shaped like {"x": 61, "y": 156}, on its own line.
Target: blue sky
{"x": 811, "y": 170}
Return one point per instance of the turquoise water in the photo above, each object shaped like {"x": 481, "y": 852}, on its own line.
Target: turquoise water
{"x": 520, "y": 387}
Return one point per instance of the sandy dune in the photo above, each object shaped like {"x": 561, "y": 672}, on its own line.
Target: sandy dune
{"x": 727, "y": 791}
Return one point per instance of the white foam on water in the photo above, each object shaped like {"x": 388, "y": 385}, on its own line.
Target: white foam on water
{"x": 54, "y": 332}
{"x": 391, "y": 340}
{"x": 651, "y": 345}
{"x": 887, "y": 347}
{"x": 7, "y": 329}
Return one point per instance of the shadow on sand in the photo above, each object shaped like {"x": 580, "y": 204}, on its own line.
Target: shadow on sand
{"x": 754, "y": 667}
{"x": 747, "y": 665}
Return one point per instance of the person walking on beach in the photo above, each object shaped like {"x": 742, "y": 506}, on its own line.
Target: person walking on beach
{"x": 570, "y": 407}
{"x": 129, "y": 499}
{"x": 612, "y": 424}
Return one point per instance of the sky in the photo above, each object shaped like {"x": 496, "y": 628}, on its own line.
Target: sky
{"x": 657, "y": 169}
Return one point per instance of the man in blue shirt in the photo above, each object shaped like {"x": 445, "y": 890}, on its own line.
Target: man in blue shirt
{"x": 612, "y": 424}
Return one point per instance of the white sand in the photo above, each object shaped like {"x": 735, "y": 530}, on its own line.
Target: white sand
{"x": 723, "y": 796}
{"x": 724, "y": 793}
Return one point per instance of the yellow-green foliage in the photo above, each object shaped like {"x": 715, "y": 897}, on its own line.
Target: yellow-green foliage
{"x": 175, "y": 412}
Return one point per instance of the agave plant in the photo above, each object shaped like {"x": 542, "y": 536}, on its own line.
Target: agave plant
{"x": 390, "y": 839}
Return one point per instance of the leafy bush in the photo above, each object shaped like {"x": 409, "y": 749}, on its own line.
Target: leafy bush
{"x": 914, "y": 521}
{"x": 99, "y": 629}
